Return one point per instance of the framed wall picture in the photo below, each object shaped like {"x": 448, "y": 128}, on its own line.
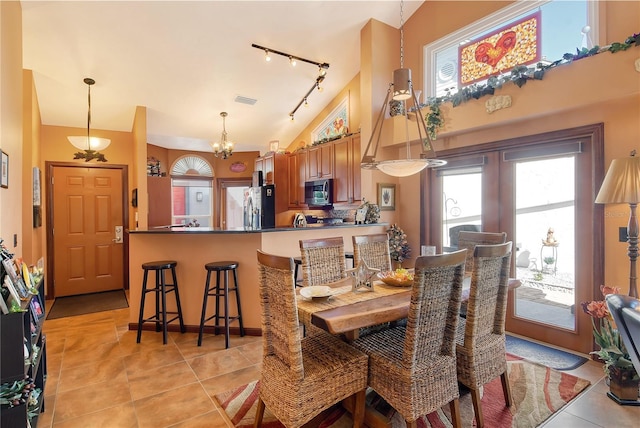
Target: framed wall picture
{"x": 335, "y": 125}
{"x": 387, "y": 196}
{"x": 4, "y": 170}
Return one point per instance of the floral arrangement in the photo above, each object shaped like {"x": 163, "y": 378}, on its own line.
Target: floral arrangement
{"x": 612, "y": 350}
{"x": 398, "y": 245}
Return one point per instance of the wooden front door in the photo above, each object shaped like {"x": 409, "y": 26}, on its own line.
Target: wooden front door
{"x": 86, "y": 211}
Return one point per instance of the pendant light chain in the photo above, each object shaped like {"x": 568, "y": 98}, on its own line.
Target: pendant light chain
{"x": 401, "y": 35}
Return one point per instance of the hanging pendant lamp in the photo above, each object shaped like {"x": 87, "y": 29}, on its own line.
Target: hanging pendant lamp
{"x": 401, "y": 89}
{"x": 89, "y": 145}
{"x": 224, "y": 148}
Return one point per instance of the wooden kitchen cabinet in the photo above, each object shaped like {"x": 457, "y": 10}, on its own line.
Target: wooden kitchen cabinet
{"x": 346, "y": 172}
{"x": 159, "y": 191}
{"x": 297, "y": 167}
{"x": 320, "y": 161}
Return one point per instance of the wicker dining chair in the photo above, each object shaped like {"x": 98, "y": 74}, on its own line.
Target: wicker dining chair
{"x": 413, "y": 367}
{"x": 480, "y": 338}
{"x": 323, "y": 260}
{"x": 373, "y": 250}
{"x": 301, "y": 376}
{"x": 469, "y": 240}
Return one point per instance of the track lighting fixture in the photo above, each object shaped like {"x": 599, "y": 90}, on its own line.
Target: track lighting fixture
{"x": 304, "y": 101}
{"x": 293, "y": 60}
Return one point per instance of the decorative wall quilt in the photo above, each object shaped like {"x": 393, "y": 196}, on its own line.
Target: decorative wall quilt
{"x": 500, "y": 51}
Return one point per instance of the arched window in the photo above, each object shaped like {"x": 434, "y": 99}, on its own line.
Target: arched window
{"x": 192, "y": 192}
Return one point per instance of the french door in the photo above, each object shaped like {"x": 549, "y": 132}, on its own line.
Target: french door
{"x": 540, "y": 190}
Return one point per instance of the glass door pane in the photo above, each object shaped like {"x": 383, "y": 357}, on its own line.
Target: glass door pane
{"x": 545, "y": 241}
{"x": 461, "y": 206}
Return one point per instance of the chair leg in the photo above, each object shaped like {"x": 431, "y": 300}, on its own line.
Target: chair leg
{"x": 508, "y": 399}
{"x": 477, "y": 408}
{"x": 204, "y": 307}
{"x": 454, "y": 406}
{"x": 358, "y": 410}
{"x": 259, "y": 413}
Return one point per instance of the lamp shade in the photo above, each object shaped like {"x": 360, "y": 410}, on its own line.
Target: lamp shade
{"x": 622, "y": 182}
{"x": 83, "y": 142}
{"x": 406, "y": 167}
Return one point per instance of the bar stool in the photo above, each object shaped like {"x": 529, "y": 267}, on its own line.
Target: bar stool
{"x": 221, "y": 290}
{"x": 160, "y": 290}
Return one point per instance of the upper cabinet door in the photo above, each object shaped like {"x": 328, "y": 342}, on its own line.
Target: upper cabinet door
{"x": 320, "y": 161}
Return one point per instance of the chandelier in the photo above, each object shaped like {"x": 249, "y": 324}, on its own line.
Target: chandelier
{"x": 402, "y": 87}
{"x": 89, "y": 145}
{"x": 224, "y": 148}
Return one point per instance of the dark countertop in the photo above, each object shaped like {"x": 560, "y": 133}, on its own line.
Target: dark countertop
{"x": 211, "y": 230}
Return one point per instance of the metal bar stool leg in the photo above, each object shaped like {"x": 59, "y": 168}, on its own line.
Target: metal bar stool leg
{"x": 142, "y": 298}
{"x": 217, "y": 313}
{"x": 204, "y": 307}
{"x": 226, "y": 309}
{"x": 163, "y": 292}
{"x": 175, "y": 289}
{"x": 237, "y": 290}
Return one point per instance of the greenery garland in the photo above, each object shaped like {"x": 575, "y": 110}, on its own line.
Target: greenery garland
{"x": 519, "y": 75}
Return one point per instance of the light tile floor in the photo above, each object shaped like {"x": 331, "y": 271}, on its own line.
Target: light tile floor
{"x": 99, "y": 377}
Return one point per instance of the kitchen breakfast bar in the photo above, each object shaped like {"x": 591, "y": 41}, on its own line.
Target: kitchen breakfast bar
{"x": 192, "y": 248}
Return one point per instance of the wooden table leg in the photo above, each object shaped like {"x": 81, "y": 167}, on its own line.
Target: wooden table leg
{"x": 372, "y": 418}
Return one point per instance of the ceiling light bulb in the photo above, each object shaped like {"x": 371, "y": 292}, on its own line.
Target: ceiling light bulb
{"x": 291, "y": 116}
{"x": 319, "y": 87}
{"x": 292, "y": 61}
{"x": 266, "y": 56}
{"x": 306, "y": 104}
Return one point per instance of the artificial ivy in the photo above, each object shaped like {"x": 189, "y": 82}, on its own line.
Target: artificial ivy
{"x": 519, "y": 76}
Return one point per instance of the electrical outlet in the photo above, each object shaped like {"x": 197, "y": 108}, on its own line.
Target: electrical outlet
{"x": 622, "y": 234}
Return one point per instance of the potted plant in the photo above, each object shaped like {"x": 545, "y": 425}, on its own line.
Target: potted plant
{"x": 622, "y": 376}
{"x": 398, "y": 246}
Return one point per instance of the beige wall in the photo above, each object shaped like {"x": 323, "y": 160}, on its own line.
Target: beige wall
{"x": 11, "y": 119}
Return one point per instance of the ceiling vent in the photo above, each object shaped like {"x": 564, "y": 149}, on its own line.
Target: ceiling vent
{"x": 245, "y": 100}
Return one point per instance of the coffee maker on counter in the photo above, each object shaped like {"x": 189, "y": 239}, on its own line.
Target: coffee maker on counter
{"x": 259, "y": 207}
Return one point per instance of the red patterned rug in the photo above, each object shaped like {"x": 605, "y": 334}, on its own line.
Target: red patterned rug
{"x": 538, "y": 392}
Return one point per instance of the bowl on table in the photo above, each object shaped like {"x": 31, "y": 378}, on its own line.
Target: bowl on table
{"x": 397, "y": 278}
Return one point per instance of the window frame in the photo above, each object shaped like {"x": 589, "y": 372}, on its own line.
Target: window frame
{"x": 484, "y": 24}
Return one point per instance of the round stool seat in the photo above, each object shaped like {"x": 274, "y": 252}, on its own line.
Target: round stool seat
{"x": 220, "y": 266}
{"x": 163, "y": 264}
{"x": 297, "y": 260}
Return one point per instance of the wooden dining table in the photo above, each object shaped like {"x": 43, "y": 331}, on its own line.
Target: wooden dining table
{"x": 347, "y": 311}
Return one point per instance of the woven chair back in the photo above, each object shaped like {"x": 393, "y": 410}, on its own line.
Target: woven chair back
{"x": 487, "y": 306}
{"x": 322, "y": 260}
{"x": 280, "y": 326}
{"x": 373, "y": 250}
{"x": 435, "y": 307}
{"x": 469, "y": 240}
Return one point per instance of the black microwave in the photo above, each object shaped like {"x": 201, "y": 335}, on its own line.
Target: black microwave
{"x": 318, "y": 193}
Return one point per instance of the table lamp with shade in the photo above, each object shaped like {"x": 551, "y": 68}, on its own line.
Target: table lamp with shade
{"x": 622, "y": 185}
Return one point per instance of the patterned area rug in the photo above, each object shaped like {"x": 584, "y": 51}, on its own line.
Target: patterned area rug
{"x": 545, "y": 355}
{"x": 538, "y": 392}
